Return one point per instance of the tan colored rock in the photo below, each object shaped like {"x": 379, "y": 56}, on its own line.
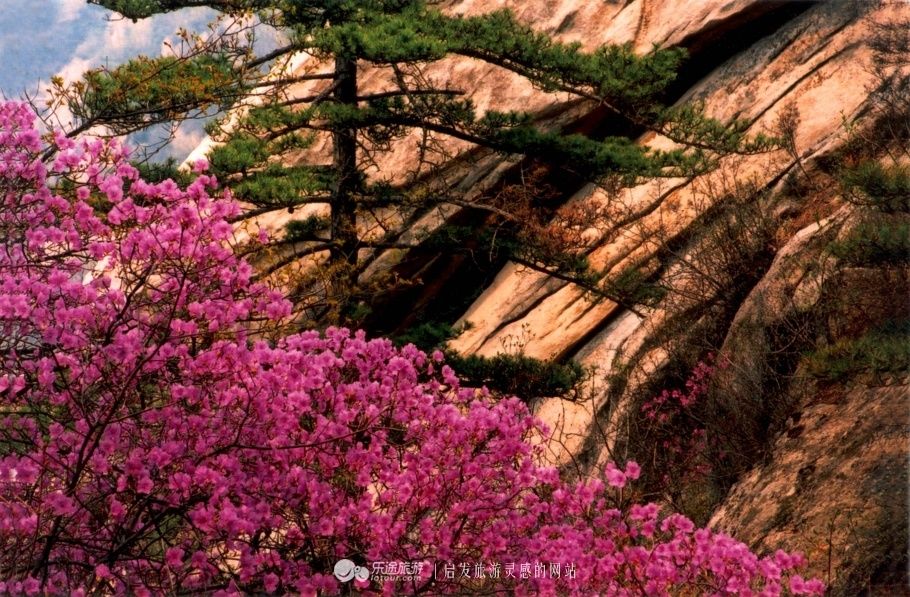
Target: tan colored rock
{"x": 825, "y": 78}
{"x": 828, "y": 486}
{"x": 835, "y": 486}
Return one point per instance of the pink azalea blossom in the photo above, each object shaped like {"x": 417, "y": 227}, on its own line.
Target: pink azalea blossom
{"x": 615, "y": 477}
{"x": 170, "y": 439}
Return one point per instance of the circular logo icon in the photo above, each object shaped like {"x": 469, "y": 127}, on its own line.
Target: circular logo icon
{"x": 346, "y": 570}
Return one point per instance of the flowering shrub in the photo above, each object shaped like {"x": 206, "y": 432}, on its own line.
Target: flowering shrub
{"x": 669, "y": 402}
{"x": 671, "y": 424}
{"x": 158, "y": 436}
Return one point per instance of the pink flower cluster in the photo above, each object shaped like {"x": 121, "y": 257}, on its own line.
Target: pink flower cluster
{"x": 663, "y": 406}
{"x": 159, "y": 435}
{"x": 672, "y": 422}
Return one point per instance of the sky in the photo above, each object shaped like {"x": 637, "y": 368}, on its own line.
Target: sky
{"x": 42, "y": 38}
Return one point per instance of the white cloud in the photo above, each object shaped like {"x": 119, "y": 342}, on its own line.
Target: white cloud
{"x": 74, "y": 37}
{"x": 69, "y": 10}
{"x": 73, "y": 69}
{"x": 116, "y": 42}
{"x": 121, "y": 39}
{"x": 186, "y": 139}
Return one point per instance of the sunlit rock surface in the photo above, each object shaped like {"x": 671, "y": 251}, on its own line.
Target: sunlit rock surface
{"x": 836, "y": 467}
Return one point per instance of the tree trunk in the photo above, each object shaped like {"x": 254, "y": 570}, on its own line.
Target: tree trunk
{"x": 343, "y": 256}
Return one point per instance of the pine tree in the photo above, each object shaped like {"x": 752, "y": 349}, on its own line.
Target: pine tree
{"x": 400, "y": 36}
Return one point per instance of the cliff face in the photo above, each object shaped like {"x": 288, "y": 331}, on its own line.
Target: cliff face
{"x": 741, "y": 259}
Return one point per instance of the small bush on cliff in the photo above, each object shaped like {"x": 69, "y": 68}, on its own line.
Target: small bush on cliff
{"x": 518, "y": 374}
{"x": 505, "y": 374}
{"x": 882, "y": 350}
{"x": 159, "y": 436}
{"x": 879, "y": 241}
{"x": 674, "y": 441}
{"x": 427, "y": 336}
{"x": 884, "y": 188}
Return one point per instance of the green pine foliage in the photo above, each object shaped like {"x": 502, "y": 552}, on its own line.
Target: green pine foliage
{"x": 259, "y": 157}
{"x": 882, "y": 237}
{"x": 505, "y": 373}
{"x": 169, "y": 169}
{"x": 305, "y": 229}
{"x": 882, "y": 350}
{"x": 147, "y": 91}
{"x": 518, "y": 374}
{"x": 876, "y": 242}
{"x": 884, "y": 188}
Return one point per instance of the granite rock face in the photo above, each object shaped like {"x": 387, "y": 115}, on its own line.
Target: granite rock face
{"x": 828, "y": 468}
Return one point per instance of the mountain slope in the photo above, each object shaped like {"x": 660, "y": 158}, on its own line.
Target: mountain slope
{"x": 738, "y": 262}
